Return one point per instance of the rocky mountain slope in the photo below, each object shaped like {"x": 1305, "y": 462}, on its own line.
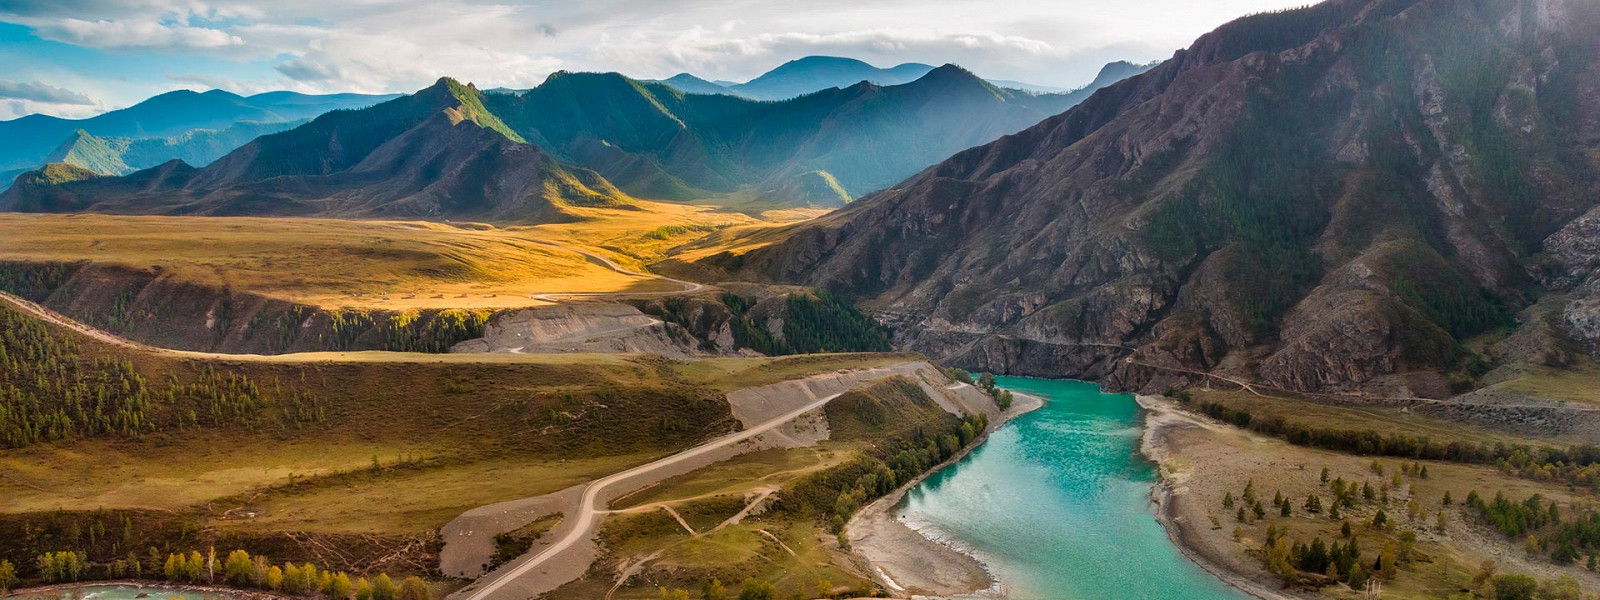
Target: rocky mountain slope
{"x": 1338, "y": 196}
{"x": 434, "y": 153}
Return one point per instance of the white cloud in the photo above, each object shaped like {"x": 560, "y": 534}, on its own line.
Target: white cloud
{"x": 132, "y": 33}
{"x": 39, "y": 92}
{"x": 403, "y": 45}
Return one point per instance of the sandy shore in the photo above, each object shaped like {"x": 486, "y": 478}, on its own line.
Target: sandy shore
{"x": 907, "y": 563}
{"x": 1185, "y": 527}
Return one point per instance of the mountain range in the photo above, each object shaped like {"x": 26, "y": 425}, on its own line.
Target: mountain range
{"x": 1335, "y": 197}
{"x": 435, "y": 152}
{"x": 579, "y": 139}
{"x": 31, "y": 140}
{"x": 815, "y": 73}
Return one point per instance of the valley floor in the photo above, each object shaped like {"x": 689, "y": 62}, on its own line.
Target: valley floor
{"x": 1202, "y": 460}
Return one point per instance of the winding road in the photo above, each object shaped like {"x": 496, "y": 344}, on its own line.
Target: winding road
{"x": 588, "y": 514}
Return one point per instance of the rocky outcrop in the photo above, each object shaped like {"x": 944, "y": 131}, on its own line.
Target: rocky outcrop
{"x": 583, "y": 327}
{"x": 1275, "y": 201}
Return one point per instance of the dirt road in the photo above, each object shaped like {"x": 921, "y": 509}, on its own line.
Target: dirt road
{"x": 587, "y": 518}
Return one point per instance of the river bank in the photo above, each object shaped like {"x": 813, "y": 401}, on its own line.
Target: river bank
{"x": 122, "y": 589}
{"x": 1188, "y": 529}
{"x": 907, "y": 562}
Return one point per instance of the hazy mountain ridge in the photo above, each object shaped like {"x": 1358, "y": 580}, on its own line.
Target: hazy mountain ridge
{"x": 649, "y": 139}
{"x": 122, "y": 155}
{"x": 816, "y": 73}
{"x": 31, "y": 139}
{"x": 1323, "y": 197}
{"x": 434, "y": 153}
{"x": 655, "y": 141}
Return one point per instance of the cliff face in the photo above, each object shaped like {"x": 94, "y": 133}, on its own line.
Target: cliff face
{"x": 1318, "y": 198}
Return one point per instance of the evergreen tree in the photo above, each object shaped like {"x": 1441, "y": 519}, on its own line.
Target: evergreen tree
{"x": 8, "y": 574}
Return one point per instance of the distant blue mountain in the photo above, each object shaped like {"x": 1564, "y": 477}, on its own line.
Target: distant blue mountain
{"x": 816, "y": 73}
{"x": 812, "y": 73}
{"x": 30, "y": 140}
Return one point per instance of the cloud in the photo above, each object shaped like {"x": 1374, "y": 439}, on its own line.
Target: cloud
{"x": 39, "y": 92}
{"x": 129, "y": 33}
{"x": 310, "y": 71}
{"x": 403, "y": 45}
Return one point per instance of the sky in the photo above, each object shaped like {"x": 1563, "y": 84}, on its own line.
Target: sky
{"x": 77, "y": 58}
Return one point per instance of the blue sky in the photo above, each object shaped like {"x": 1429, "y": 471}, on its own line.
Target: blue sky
{"x": 80, "y": 57}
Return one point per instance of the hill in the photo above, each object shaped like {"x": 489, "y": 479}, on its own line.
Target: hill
{"x": 1339, "y": 196}
{"x": 438, "y": 152}
{"x": 31, "y": 138}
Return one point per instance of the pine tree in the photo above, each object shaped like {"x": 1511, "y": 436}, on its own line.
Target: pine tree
{"x": 1227, "y": 500}
{"x": 1259, "y": 511}
{"x": 1446, "y": 501}
{"x": 8, "y": 574}
{"x": 1313, "y": 504}
{"x": 1324, "y": 475}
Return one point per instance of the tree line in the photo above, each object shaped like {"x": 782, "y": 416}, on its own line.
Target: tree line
{"x": 238, "y": 569}
{"x": 1578, "y": 465}
{"x": 52, "y": 390}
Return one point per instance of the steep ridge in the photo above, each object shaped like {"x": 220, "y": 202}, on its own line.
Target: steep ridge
{"x": 1317, "y": 198}
{"x": 31, "y": 138}
{"x": 655, "y": 141}
{"x": 438, "y": 152}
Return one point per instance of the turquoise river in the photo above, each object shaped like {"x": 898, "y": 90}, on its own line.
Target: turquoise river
{"x": 1056, "y": 504}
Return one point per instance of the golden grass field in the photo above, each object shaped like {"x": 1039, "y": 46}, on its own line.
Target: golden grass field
{"x": 466, "y": 430}
{"x": 336, "y": 263}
